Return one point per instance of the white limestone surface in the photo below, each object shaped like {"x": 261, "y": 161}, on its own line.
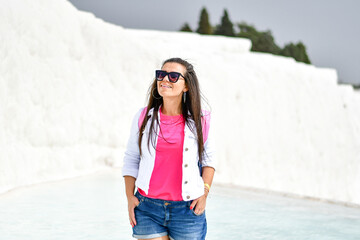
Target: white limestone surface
{"x": 70, "y": 84}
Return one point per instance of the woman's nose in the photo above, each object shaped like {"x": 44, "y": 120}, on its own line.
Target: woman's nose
{"x": 166, "y": 78}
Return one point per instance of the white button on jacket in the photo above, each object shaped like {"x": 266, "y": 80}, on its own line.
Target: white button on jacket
{"x": 141, "y": 169}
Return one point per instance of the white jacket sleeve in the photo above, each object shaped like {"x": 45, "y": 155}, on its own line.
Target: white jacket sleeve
{"x": 132, "y": 153}
{"x": 209, "y": 158}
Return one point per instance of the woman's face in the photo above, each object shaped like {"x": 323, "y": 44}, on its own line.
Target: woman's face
{"x": 168, "y": 89}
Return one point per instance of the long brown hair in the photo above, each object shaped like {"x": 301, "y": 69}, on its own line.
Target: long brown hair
{"x": 191, "y": 109}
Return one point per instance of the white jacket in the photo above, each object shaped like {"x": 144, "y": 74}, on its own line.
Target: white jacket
{"x": 141, "y": 169}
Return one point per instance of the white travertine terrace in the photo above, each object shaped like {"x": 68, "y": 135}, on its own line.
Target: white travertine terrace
{"x": 70, "y": 84}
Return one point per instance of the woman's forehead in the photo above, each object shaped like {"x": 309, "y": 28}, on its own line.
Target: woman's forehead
{"x": 174, "y": 67}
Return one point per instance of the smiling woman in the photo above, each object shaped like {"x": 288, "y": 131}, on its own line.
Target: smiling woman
{"x": 169, "y": 87}
{"x": 167, "y": 173}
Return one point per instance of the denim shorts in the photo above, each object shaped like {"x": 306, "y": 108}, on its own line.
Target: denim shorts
{"x": 157, "y": 218}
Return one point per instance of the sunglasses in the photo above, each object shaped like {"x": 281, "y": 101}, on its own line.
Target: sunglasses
{"x": 173, "y": 76}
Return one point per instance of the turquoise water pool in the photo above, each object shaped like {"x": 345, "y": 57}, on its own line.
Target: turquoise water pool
{"x": 94, "y": 207}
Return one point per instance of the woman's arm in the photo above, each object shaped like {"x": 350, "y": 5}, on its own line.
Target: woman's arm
{"x": 208, "y": 166}
{"x": 132, "y": 200}
{"x": 208, "y": 175}
{"x": 132, "y": 153}
{"x": 200, "y": 203}
{"x": 131, "y": 167}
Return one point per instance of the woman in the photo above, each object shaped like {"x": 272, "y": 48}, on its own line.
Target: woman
{"x": 169, "y": 142}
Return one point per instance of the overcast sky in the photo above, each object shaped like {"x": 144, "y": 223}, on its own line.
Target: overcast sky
{"x": 330, "y": 29}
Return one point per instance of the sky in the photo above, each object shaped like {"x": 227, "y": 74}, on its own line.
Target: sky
{"x": 330, "y": 29}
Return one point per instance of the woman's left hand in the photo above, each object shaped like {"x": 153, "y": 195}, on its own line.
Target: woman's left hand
{"x": 199, "y": 204}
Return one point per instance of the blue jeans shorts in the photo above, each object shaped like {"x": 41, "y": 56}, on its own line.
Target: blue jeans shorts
{"x": 157, "y": 218}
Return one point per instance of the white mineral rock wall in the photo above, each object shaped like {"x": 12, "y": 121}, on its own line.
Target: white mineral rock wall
{"x": 70, "y": 84}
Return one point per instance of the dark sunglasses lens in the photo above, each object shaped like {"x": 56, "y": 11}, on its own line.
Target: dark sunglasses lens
{"x": 173, "y": 76}
{"x": 160, "y": 75}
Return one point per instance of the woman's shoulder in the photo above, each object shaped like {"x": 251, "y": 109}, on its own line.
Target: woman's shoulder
{"x": 205, "y": 115}
{"x": 141, "y": 114}
{"x": 205, "y": 123}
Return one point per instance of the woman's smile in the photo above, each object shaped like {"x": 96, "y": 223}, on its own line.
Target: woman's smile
{"x": 165, "y": 86}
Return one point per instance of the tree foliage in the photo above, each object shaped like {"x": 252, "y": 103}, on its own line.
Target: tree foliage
{"x": 261, "y": 41}
{"x": 297, "y": 51}
{"x": 186, "y": 28}
{"x": 264, "y": 42}
{"x": 204, "y": 24}
{"x": 226, "y": 27}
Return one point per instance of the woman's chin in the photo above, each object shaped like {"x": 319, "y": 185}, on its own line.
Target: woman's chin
{"x": 166, "y": 94}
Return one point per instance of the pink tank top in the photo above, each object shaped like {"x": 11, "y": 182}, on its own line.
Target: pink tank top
{"x": 166, "y": 178}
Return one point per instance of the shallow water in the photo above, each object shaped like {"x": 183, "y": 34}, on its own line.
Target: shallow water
{"x": 94, "y": 207}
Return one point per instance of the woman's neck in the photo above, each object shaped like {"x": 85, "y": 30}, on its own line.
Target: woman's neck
{"x": 171, "y": 107}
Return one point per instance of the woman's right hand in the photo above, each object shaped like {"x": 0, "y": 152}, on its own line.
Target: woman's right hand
{"x": 132, "y": 203}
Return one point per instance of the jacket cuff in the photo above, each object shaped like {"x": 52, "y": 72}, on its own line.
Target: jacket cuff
{"x": 130, "y": 172}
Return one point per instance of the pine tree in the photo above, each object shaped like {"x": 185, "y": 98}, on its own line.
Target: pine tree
{"x": 204, "y": 24}
{"x": 302, "y": 57}
{"x": 246, "y": 28}
{"x": 265, "y": 43}
{"x": 226, "y": 27}
{"x": 298, "y": 52}
{"x": 186, "y": 28}
{"x": 261, "y": 41}
{"x": 248, "y": 31}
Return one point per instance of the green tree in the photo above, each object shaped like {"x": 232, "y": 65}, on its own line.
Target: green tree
{"x": 261, "y": 41}
{"x": 246, "y": 29}
{"x": 226, "y": 27}
{"x": 265, "y": 43}
{"x": 204, "y": 24}
{"x": 186, "y": 28}
{"x": 297, "y": 51}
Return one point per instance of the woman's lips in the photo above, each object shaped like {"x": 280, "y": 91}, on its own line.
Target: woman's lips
{"x": 165, "y": 86}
